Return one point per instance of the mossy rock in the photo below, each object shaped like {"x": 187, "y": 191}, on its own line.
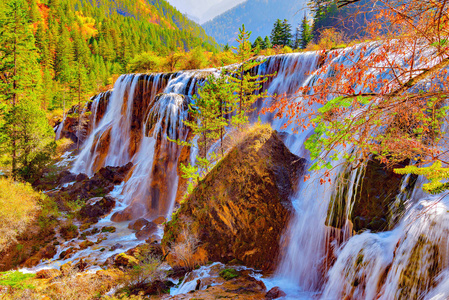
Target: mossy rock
{"x": 240, "y": 209}
{"x": 228, "y": 274}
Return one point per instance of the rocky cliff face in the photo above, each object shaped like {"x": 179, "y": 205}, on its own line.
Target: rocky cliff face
{"x": 242, "y": 206}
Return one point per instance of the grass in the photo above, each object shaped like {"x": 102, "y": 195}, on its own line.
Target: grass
{"x": 16, "y": 280}
{"x": 19, "y": 206}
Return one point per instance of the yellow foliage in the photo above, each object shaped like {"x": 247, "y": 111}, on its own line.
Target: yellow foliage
{"x": 19, "y": 204}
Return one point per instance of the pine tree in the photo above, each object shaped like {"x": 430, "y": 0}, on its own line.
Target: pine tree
{"x": 281, "y": 34}
{"x": 245, "y": 86}
{"x": 20, "y": 87}
{"x": 267, "y": 43}
{"x": 276, "y": 33}
{"x": 258, "y": 43}
{"x": 306, "y": 33}
{"x": 286, "y": 33}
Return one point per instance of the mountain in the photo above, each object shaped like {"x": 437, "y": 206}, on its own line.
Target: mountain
{"x": 88, "y": 41}
{"x": 258, "y": 17}
{"x": 203, "y": 10}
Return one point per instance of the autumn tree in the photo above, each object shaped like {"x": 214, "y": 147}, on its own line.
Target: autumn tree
{"x": 386, "y": 99}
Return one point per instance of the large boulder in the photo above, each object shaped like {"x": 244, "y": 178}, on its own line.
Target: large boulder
{"x": 240, "y": 209}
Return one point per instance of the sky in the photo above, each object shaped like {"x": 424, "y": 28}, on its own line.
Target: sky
{"x": 203, "y": 10}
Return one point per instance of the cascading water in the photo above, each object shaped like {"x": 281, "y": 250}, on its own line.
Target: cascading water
{"x": 367, "y": 265}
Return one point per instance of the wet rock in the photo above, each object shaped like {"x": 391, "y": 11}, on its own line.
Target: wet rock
{"x": 138, "y": 224}
{"x": 66, "y": 253}
{"x": 125, "y": 260}
{"x": 146, "y": 231}
{"x": 128, "y": 213}
{"x": 85, "y": 244}
{"x": 47, "y": 273}
{"x": 177, "y": 272}
{"x": 241, "y": 208}
{"x": 373, "y": 208}
{"x": 69, "y": 231}
{"x": 46, "y": 252}
{"x": 96, "y": 208}
{"x": 66, "y": 177}
{"x": 159, "y": 220}
{"x": 110, "y": 261}
{"x": 275, "y": 293}
{"x": 98, "y": 185}
{"x": 81, "y": 177}
{"x": 116, "y": 246}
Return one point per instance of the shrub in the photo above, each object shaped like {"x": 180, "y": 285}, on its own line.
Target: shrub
{"x": 145, "y": 62}
{"x": 329, "y": 39}
{"x": 19, "y": 206}
{"x": 185, "y": 252}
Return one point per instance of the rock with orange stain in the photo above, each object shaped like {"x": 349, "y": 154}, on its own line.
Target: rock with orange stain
{"x": 240, "y": 209}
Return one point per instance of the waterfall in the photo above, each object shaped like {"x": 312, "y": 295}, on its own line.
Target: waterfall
{"x": 142, "y": 111}
{"x": 407, "y": 261}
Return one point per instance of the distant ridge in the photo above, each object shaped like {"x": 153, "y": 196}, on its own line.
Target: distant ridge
{"x": 258, "y": 17}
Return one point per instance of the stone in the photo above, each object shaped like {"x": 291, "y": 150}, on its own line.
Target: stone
{"x": 125, "y": 260}
{"x": 242, "y": 207}
{"x": 128, "y": 213}
{"x": 275, "y": 293}
{"x": 159, "y": 220}
{"x": 81, "y": 177}
{"x": 66, "y": 177}
{"x": 138, "y": 224}
{"x": 116, "y": 246}
{"x": 96, "y": 207}
{"x": 145, "y": 232}
{"x": 47, "y": 273}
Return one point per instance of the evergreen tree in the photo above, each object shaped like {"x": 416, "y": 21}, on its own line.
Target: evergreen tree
{"x": 258, "y": 43}
{"x": 281, "y": 34}
{"x": 286, "y": 33}
{"x": 267, "y": 43}
{"x": 276, "y": 33}
{"x": 245, "y": 86}
{"x": 26, "y": 132}
{"x": 297, "y": 38}
{"x": 306, "y": 33}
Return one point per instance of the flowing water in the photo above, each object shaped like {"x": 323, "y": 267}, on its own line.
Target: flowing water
{"x": 143, "y": 110}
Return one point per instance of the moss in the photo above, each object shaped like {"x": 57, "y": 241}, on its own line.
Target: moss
{"x": 228, "y": 274}
{"x": 110, "y": 229}
{"x": 17, "y": 280}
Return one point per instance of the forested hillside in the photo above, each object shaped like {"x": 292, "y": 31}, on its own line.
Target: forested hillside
{"x": 258, "y": 17}
{"x": 98, "y": 40}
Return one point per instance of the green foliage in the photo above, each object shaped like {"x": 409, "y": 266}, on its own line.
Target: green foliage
{"x": 306, "y": 33}
{"x": 245, "y": 86}
{"x": 145, "y": 62}
{"x": 221, "y": 102}
{"x": 16, "y": 280}
{"x": 26, "y": 136}
{"x": 228, "y": 274}
{"x": 281, "y": 34}
{"x": 435, "y": 174}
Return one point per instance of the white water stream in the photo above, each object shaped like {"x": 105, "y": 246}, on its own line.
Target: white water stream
{"x": 368, "y": 265}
